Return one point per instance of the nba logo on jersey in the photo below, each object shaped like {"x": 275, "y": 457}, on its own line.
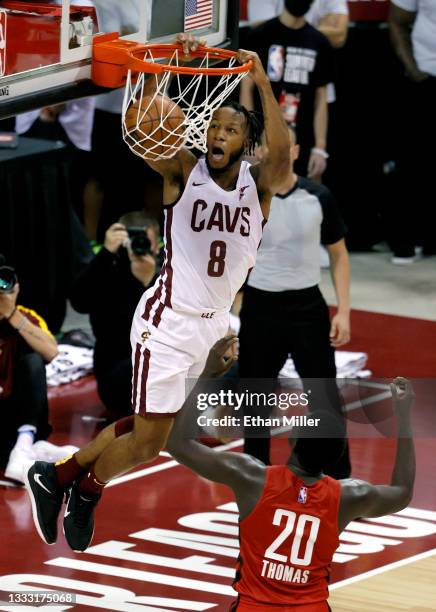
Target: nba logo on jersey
{"x": 302, "y": 495}
{"x": 2, "y": 42}
{"x": 276, "y": 62}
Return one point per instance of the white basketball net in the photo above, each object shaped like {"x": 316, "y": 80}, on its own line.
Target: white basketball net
{"x": 198, "y": 95}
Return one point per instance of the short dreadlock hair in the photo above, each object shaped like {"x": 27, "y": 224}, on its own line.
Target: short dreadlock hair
{"x": 253, "y": 121}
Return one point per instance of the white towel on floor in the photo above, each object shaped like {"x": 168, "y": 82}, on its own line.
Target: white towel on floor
{"x": 72, "y": 363}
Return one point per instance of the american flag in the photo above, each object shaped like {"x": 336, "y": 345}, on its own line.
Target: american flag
{"x": 198, "y": 14}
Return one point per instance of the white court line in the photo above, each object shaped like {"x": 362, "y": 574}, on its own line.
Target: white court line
{"x": 367, "y": 383}
{"x": 367, "y": 401}
{"x": 164, "y": 466}
{"x": 372, "y": 399}
{"x": 382, "y": 569}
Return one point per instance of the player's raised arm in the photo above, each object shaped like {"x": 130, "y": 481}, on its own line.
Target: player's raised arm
{"x": 362, "y": 499}
{"x": 225, "y": 467}
{"x": 274, "y": 167}
{"x": 176, "y": 169}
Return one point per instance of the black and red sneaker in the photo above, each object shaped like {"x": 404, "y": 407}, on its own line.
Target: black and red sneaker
{"x": 79, "y": 518}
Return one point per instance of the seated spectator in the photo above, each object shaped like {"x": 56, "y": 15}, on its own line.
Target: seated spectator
{"x": 26, "y": 345}
{"x": 109, "y": 289}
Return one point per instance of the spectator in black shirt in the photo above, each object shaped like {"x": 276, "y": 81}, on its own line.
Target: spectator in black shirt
{"x": 109, "y": 289}
{"x": 299, "y": 62}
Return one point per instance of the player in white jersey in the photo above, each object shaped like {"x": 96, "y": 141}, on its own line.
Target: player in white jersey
{"x": 215, "y": 209}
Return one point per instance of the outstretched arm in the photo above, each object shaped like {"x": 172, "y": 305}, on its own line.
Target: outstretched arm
{"x": 274, "y": 167}
{"x": 225, "y": 467}
{"x": 361, "y": 499}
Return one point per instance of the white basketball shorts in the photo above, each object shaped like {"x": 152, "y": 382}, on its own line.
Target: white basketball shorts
{"x": 168, "y": 348}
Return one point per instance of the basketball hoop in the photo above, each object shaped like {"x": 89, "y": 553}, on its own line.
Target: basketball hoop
{"x": 155, "y": 127}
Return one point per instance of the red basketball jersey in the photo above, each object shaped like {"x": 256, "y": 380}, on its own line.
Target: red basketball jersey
{"x": 288, "y": 541}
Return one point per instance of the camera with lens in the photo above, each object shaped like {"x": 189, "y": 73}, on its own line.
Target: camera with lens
{"x": 139, "y": 241}
{"x": 8, "y": 277}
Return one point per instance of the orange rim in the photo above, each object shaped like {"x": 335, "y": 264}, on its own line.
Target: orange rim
{"x": 160, "y": 51}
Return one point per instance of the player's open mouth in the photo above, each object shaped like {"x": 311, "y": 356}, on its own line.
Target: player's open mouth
{"x": 217, "y": 154}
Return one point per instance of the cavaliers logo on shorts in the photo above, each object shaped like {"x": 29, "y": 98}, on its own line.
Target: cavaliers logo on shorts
{"x": 145, "y": 334}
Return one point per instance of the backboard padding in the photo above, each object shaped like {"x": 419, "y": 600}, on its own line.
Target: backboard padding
{"x": 62, "y": 80}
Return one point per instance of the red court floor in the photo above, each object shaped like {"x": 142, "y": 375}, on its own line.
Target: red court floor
{"x": 167, "y": 539}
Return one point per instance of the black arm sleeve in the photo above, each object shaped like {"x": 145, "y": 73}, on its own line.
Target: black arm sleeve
{"x": 333, "y": 227}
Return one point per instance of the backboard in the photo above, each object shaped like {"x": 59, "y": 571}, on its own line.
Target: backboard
{"x": 46, "y": 47}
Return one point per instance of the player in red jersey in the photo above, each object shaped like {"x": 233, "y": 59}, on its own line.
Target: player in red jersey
{"x": 291, "y": 515}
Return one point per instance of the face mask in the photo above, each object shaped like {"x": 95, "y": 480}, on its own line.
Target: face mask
{"x": 298, "y": 8}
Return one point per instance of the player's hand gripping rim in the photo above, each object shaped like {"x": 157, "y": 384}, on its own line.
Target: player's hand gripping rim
{"x": 257, "y": 71}
{"x": 189, "y": 43}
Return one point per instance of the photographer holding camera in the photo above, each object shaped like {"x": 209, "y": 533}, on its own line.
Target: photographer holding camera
{"x": 108, "y": 289}
{"x": 26, "y": 345}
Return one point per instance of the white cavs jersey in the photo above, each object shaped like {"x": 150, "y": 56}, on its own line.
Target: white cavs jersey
{"x": 211, "y": 241}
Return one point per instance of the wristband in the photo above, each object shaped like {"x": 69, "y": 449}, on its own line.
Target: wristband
{"x": 22, "y": 324}
{"x": 320, "y": 152}
{"x": 12, "y": 314}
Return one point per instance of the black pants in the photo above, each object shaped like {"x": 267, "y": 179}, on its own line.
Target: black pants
{"x": 274, "y": 324}
{"x": 411, "y": 207}
{"x": 114, "y": 384}
{"x": 28, "y": 404}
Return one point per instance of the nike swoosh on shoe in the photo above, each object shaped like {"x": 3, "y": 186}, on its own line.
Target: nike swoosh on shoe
{"x": 37, "y": 479}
